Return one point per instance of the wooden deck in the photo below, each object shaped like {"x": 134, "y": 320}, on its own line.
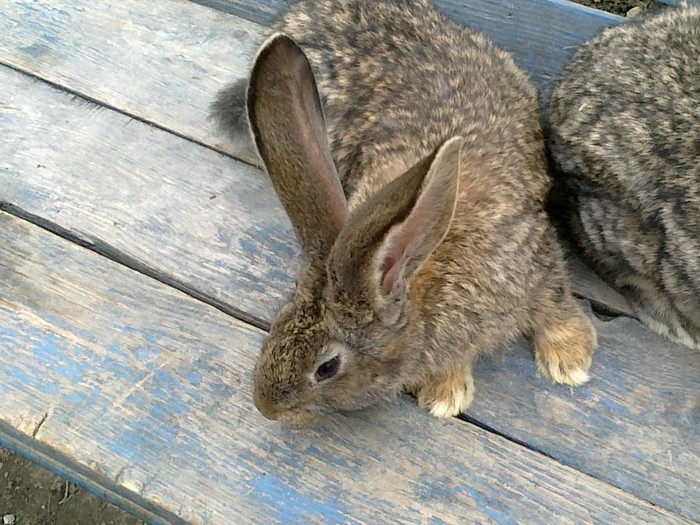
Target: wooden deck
{"x": 141, "y": 260}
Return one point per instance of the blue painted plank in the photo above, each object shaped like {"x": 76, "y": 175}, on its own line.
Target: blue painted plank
{"x": 636, "y": 424}
{"x": 261, "y": 12}
{"x": 196, "y": 206}
{"x": 129, "y": 190}
{"x": 160, "y": 61}
{"x": 542, "y": 35}
{"x": 151, "y": 389}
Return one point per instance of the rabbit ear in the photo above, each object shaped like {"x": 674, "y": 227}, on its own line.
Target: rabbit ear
{"x": 392, "y": 234}
{"x": 287, "y": 122}
{"x": 410, "y": 242}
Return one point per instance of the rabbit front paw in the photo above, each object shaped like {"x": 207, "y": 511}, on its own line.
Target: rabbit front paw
{"x": 448, "y": 395}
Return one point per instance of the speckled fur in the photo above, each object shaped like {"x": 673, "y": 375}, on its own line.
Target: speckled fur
{"x": 397, "y": 79}
{"x": 625, "y": 129}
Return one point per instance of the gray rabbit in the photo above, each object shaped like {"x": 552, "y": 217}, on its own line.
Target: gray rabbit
{"x": 408, "y": 155}
{"x": 624, "y": 128}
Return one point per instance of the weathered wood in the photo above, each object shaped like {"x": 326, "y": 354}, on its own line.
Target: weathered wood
{"x": 586, "y": 283}
{"x": 635, "y": 425}
{"x": 262, "y": 12}
{"x": 150, "y": 388}
{"x": 160, "y": 61}
{"x": 180, "y": 212}
{"x": 79, "y": 474}
{"x": 265, "y": 11}
{"x": 85, "y": 170}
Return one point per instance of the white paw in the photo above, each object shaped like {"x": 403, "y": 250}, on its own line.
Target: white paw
{"x": 455, "y": 399}
{"x": 573, "y": 376}
{"x": 448, "y": 408}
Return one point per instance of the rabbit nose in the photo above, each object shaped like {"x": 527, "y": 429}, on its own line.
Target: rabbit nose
{"x": 266, "y": 409}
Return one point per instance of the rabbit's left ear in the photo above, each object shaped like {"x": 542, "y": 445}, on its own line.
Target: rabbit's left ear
{"x": 389, "y": 238}
{"x": 289, "y": 128}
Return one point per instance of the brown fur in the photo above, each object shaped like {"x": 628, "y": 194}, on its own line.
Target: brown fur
{"x": 446, "y": 252}
{"x": 625, "y": 131}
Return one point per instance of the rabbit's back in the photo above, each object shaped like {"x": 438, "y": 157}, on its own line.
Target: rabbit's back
{"x": 398, "y": 77}
{"x": 626, "y": 114}
{"x": 624, "y": 128}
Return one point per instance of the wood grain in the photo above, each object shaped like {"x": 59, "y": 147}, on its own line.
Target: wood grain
{"x": 146, "y": 194}
{"x": 636, "y": 424}
{"x": 161, "y": 61}
{"x": 150, "y": 388}
{"x": 79, "y": 474}
{"x": 185, "y": 214}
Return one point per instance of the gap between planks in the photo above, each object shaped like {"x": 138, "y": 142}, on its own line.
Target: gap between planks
{"x": 104, "y": 249}
{"x": 101, "y": 104}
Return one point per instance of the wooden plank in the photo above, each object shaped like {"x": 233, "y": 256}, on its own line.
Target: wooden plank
{"x": 80, "y": 475}
{"x": 163, "y": 60}
{"x": 586, "y": 283}
{"x": 262, "y": 12}
{"x": 151, "y": 388}
{"x": 185, "y": 214}
{"x": 265, "y": 11}
{"x": 237, "y": 249}
{"x": 160, "y": 61}
{"x": 635, "y": 425}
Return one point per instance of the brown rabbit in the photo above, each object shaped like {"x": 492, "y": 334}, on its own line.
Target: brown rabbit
{"x": 419, "y": 205}
{"x": 624, "y": 125}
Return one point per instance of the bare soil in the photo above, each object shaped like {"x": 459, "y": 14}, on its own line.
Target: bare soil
{"x": 31, "y": 495}
{"x": 621, "y": 7}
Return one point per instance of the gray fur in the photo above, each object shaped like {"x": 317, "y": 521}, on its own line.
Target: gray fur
{"x": 624, "y": 125}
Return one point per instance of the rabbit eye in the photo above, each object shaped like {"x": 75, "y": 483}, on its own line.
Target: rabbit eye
{"x": 328, "y": 369}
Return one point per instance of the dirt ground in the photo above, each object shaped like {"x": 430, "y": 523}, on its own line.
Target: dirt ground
{"x": 30, "y": 495}
{"x": 621, "y": 7}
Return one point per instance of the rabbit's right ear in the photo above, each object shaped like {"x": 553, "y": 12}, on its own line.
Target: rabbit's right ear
{"x": 289, "y": 128}
{"x": 391, "y": 236}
